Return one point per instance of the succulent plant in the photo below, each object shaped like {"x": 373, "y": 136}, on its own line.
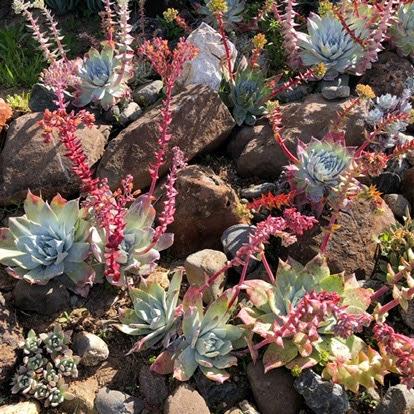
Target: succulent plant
{"x": 328, "y": 42}
{"x": 49, "y": 240}
{"x": 54, "y": 341}
{"x": 319, "y": 168}
{"x": 57, "y": 395}
{"x": 23, "y": 381}
{"x": 31, "y": 344}
{"x": 154, "y": 315}
{"x": 301, "y": 339}
{"x": 6, "y": 113}
{"x": 402, "y": 30}
{"x": 207, "y": 340}
{"x": 100, "y": 79}
{"x": 138, "y": 255}
{"x": 35, "y": 362}
{"x": 232, "y": 16}
{"x": 62, "y": 6}
{"x": 41, "y": 391}
{"x": 247, "y": 96}
{"x": 67, "y": 364}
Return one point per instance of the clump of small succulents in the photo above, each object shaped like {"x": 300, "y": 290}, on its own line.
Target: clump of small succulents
{"x": 232, "y": 16}
{"x": 402, "y": 29}
{"x": 47, "y": 362}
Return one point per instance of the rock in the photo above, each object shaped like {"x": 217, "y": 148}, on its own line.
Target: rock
{"x": 397, "y": 400}
{"x": 11, "y": 335}
{"x": 248, "y": 408}
{"x": 115, "y": 402}
{"x": 205, "y": 69}
{"x": 408, "y": 315}
{"x": 130, "y": 113}
{"x": 152, "y": 386}
{"x": 341, "y": 80}
{"x": 352, "y": 247}
{"x": 388, "y": 182}
{"x": 321, "y": 396}
{"x": 388, "y": 74}
{"x": 262, "y": 156}
{"x": 205, "y": 207}
{"x": 296, "y": 94}
{"x": 185, "y": 400}
{"x": 398, "y": 204}
{"x": 201, "y": 122}
{"x": 90, "y": 348}
{"x": 41, "y": 98}
{"x": 147, "y": 95}
{"x": 233, "y": 238}
{"x": 407, "y": 185}
{"x": 201, "y": 265}
{"x": 255, "y": 191}
{"x": 84, "y": 392}
{"x": 273, "y": 392}
{"x": 42, "y": 299}
{"x": 27, "y": 162}
{"x": 336, "y": 92}
{"x": 26, "y": 407}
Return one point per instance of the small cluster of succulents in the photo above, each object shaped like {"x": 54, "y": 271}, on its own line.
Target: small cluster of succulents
{"x": 232, "y": 16}
{"x": 402, "y": 29}
{"x": 47, "y": 362}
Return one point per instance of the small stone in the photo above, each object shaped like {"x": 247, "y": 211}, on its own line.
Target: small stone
{"x": 130, "y": 113}
{"x": 42, "y": 98}
{"x": 273, "y": 392}
{"x": 26, "y": 407}
{"x": 295, "y": 94}
{"x": 148, "y": 94}
{"x": 397, "y": 400}
{"x": 152, "y": 386}
{"x": 84, "y": 393}
{"x": 336, "y": 92}
{"x": 255, "y": 191}
{"x": 185, "y": 400}
{"x": 42, "y": 299}
{"x": 398, "y": 204}
{"x": 115, "y": 402}
{"x": 248, "y": 408}
{"x": 203, "y": 264}
{"x": 321, "y": 396}
{"x": 90, "y": 348}
{"x": 234, "y": 238}
{"x": 408, "y": 315}
{"x": 341, "y": 80}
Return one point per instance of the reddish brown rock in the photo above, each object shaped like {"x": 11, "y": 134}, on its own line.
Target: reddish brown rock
{"x": 185, "y": 400}
{"x": 201, "y": 122}
{"x": 27, "y": 162}
{"x": 262, "y": 156}
{"x": 206, "y": 206}
{"x": 352, "y": 247}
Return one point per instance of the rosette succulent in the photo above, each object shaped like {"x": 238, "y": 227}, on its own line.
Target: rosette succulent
{"x": 402, "y": 30}
{"x": 247, "y": 96}
{"x": 232, "y": 16}
{"x": 31, "y": 344}
{"x": 54, "y": 341}
{"x": 319, "y": 168}
{"x": 328, "y": 42}
{"x": 302, "y": 311}
{"x": 154, "y": 316}
{"x": 67, "y": 364}
{"x": 24, "y": 381}
{"x": 48, "y": 241}
{"x": 137, "y": 253}
{"x": 101, "y": 80}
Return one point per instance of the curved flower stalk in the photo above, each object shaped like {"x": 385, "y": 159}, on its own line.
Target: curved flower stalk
{"x": 328, "y": 42}
{"x": 232, "y": 16}
{"x": 154, "y": 315}
{"x": 137, "y": 254}
{"x": 402, "y": 29}
{"x": 100, "y": 81}
{"x": 48, "y": 241}
{"x": 207, "y": 341}
{"x": 299, "y": 314}
{"x": 318, "y": 169}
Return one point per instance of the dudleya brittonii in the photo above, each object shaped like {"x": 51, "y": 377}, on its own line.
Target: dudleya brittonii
{"x": 232, "y": 16}
{"x": 319, "y": 169}
{"x": 48, "y": 241}
{"x": 101, "y": 80}
{"x": 327, "y": 42}
{"x": 402, "y": 30}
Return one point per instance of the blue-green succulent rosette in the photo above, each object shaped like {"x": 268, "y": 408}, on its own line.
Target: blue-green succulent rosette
{"x": 49, "y": 240}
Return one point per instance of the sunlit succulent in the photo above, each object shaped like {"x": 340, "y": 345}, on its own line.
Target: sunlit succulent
{"x": 319, "y": 168}
{"x": 31, "y": 344}
{"x": 67, "y": 364}
{"x": 208, "y": 340}
{"x": 41, "y": 391}
{"x": 49, "y": 240}
{"x": 56, "y": 396}
{"x": 402, "y": 30}
{"x": 55, "y": 341}
{"x": 301, "y": 341}
{"x": 138, "y": 255}
{"x": 35, "y": 362}
{"x": 232, "y": 16}
{"x": 23, "y": 381}
{"x": 247, "y": 96}
{"x": 50, "y": 375}
{"x": 154, "y": 316}
{"x": 328, "y": 42}
{"x": 100, "y": 79}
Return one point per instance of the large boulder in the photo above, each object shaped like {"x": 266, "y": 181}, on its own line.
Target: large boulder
{"x": 205, "y": 207}
{"x": 257, "y": 153}
{"x": 27, "y": 162}
{"x": 201, "y": 122}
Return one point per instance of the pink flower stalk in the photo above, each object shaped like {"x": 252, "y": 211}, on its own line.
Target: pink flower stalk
{"x": 349, "y": 323}
{"x": 297, "y": 222}
{"x": 169, "y": 65}
{"x": 57, "y": 36}
{"x": 399, "y": 348}
{"x": 107, "y": 21}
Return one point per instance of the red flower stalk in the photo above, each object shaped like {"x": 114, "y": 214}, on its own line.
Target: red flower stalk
{"x": 222, "y": 31}
{"x": 271, "y": 201}
{"x": 337, "y": 11}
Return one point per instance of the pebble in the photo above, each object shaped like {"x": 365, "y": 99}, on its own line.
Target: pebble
{"x": 92, "y": 349}
{"x": 336, "y": 92}
{"x": 115, "y": 402}
{"x": 185, "y": 400}
{"x": 148, "y": 94}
